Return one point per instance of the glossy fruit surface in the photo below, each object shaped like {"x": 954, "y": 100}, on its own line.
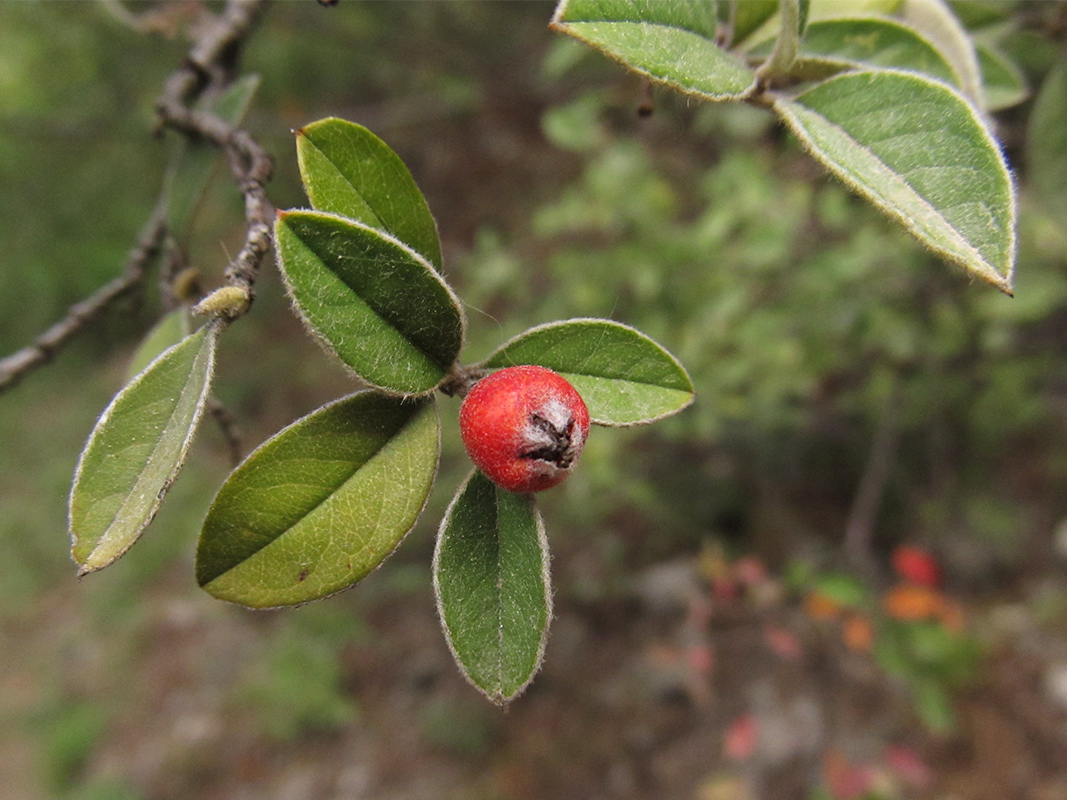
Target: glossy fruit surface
{"x": 524, "y": 427}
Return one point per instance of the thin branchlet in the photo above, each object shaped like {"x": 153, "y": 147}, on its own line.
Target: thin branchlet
{"x": 210, "y": 64}
{"x": 19, "y": 364}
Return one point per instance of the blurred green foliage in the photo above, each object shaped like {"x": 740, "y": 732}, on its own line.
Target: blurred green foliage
{"x": 71, "y": 111}
{"x": 464, "y": 726}
{"x": 293, "y": 687}
{"x": 69, "y": 730}
{"x": 103, "y": 789}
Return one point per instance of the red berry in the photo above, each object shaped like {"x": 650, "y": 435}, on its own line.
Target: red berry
{"x": 916, "y": 566}
{"x": 524, "y": 428}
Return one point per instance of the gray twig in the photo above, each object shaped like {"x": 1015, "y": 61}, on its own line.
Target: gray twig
{"x": 16, "y": 366}
{"x": 228, "y": 427}
{"x": 862, "y": 517}
{"x": 211, "y": 62}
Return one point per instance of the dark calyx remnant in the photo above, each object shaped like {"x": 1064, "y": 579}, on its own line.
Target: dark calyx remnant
{"x": 556, "y": 446}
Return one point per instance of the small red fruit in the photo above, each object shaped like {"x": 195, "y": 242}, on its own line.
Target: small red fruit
{"x": 524, "y": 428}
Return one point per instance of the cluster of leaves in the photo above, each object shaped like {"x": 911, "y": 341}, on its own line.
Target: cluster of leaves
{"x": 890, "y": 96}
{"x": 322, "y": 503}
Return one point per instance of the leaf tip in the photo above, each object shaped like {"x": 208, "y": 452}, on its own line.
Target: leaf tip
{"x": 87, "y": 565}
{"x": 1001, "y": 282}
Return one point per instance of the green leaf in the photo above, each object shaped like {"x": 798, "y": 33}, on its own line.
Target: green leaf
{"x": 889, "y": 652}
{"x": 322, "y": 503}
{"x": 167, "y": 332}
{"x": 804, "y": 16}
{"x": 193, "y": 161}
{"x": 624, "y": 377}
{"x": 697, "y": 16}
{"x": 936, "y": 22}
{"x": 372, "y": 300}
{"x": 1005, "y": 85}
{"x": 136, "y": 450}
{"x": 873, "y": 42}
{"x": 761, "y": 37}
{"x": 934, "y": 705}
{"x": 843, "y": 589}
{"x": 750, "y": 15}
{"x": 347, "y": 170}
{"x": 490, "y": 574}
{"x": 916, "y": 150}
{"x": 1046, "y": 154}
{"x": 669, "y": 42}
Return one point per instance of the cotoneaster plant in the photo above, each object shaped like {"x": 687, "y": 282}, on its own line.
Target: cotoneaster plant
{"x": 325, "y": 501}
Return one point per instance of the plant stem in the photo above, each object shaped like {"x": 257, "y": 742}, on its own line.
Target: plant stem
{"x": 16, "y": 366}
{"x": 786, "y": 46}
{"x": 859, "y": 530}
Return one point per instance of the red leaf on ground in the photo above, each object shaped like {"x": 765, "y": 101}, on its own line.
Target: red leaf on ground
{"x": 701, "y": 659}
{"x": 845, "y": 780}
{"x": 750, "y": 571}
{"x": 908, "y": 766}
{"x": 741, "y": 738}
{"x": 915, "y": 565}
{"x": 783, "y": 642}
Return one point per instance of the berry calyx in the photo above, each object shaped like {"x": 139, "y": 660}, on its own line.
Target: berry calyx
{"x": 524, "y": 428}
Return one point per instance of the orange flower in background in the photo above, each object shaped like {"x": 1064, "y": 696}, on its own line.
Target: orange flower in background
{"x": 910, "y": 603}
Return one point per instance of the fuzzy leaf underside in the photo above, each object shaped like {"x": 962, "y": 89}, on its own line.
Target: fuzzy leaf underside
{"x": 373, "y": 301}
{"x": 322, "y": 503}
{"x": 347, "y": 170}
{"x": 671, "y": 42}
{"x": 624, "y": 377}
{"x": 491, "y": 581}
{"x": 136, "y": 450}
{"x": 916, "y": 150}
